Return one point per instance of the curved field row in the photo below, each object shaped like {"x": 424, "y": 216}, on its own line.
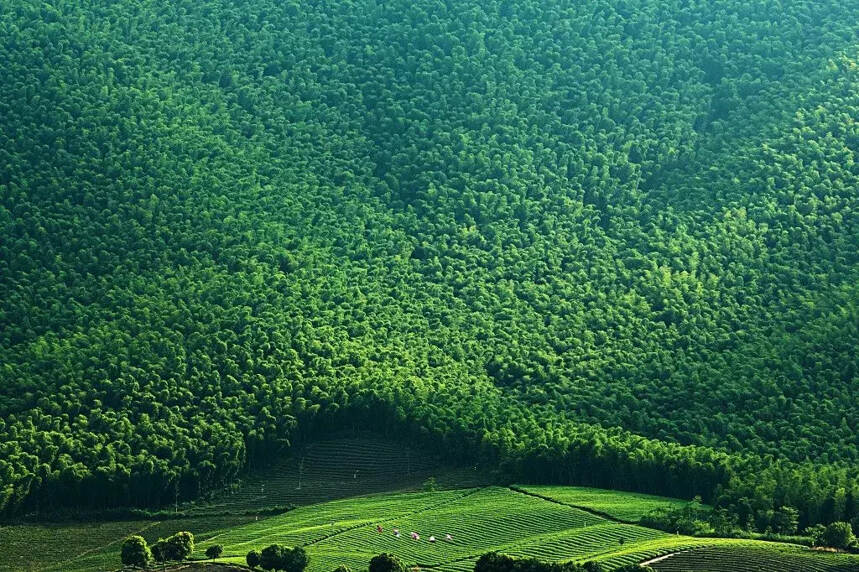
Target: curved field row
{"x": 771, "y": 559}
{"x": 586, "y": 543}
{"x": 629, "y": 507}
{"x": 642, "y": 551}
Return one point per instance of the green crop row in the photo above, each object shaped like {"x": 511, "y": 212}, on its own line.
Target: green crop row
{"x": 617, "y": 504}
{"x": 769, "y": 559}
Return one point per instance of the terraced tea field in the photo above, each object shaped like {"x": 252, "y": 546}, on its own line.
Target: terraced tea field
{"x": 772, "y": 559}
{"x": 629, "y": 507}
{"x": 478, "y": 519}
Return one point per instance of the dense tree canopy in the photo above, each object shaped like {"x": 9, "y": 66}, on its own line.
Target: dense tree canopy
{"x": 611, "y": 242}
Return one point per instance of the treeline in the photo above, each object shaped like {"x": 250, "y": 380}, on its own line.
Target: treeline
{"x": 611, "y": 243}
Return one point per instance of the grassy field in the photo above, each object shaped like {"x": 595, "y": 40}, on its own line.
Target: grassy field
{"x": 621, "y": 505}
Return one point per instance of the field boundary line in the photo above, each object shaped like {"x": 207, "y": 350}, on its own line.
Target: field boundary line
{"x": 589, "y": 510}
{"x": 664, "y": 557}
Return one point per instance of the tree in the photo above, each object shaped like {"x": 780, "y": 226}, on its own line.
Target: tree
{"x": 135, "y": 552}
{"x": 214, "y": 551}
{"x": 342, "y": 568}
{"x": 253, "y": 559}
{"x": 494, "y": 562}
{"x": 816, "y": 533}
{"x": 272, "y": 556}
{"x": 430, "y": 485}
{"x": 295, "y": 560}
{"x": 180, "y": 546}
{"x": 386, "y": 563}
{"x": 839, "y": 535}
{"x": 785, "y": 520}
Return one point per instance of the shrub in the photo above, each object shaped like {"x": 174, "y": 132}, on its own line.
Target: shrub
{"x": 839, "y": 535}
{"x": 180, "y": 546}
{"x": 386, "y": 563}
{"x": 214, "y": 551}
{"x": 253, "y": 558}
{"x": 271, "y": 557}
{"x": 135, "y": 552}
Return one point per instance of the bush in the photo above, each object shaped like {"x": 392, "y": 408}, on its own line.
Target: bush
{"x": 386, "y": 563}
{"x": 160, "y": 551}
{"x": 214, "y": 551}
{"x": 494, "y": 562}
{"x": 180, "y": 546}
{"x": 135, "y": 552}
{"x": 295, "y": 560}
{"x": 271, "y": 557}
{"x": 839, "y": 535}
{"x": 253, "y": 558}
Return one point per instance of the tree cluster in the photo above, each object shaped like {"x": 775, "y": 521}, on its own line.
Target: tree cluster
{"x": 609, "y": 243}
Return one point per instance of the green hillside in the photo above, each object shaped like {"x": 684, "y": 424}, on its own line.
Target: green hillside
{"x": 610, "y": 243}
{"x": 478, "y": 520}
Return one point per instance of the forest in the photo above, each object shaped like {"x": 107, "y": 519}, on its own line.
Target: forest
{"x": 610, "y": 243}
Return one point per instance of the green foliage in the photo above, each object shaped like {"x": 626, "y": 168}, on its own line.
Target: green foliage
{"x": 135, "y": 552}
{"x": 180, "y": 546}
{"x": 785, "y": 520}
{"x": 214, "y": 551}
{"x": 296, "y": 560}
{"x": 692, "y": 519}
{"x": 342, "y": 568}
{"x": 816, "y": 534}
{"x": 502, "y": 229}
{"x": 838, "y": 535}
{"x": 386, "y": 563}
{"x": 272, "y": 557}
{"x": 494, "y": 562}
{"x": 160, "y": 551}
{"x": 253, "y": 559}
{"x": 279, "y": 557}
{"x": 430, "y": 484}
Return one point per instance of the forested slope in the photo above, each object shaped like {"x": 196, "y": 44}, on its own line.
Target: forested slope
{"x": 610, "y": 243}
